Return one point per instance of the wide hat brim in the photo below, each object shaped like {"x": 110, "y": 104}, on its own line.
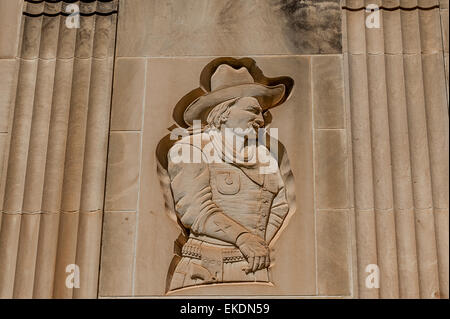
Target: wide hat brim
{"x": 196, "y": 104}
{"x": 268, "y": 97}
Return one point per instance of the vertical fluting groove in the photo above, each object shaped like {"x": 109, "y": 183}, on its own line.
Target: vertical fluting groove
{"x": 381, "y": 162}
{"x": 352, "y": 224}
{"x": 400, "y": 157}
{"x": 437, "y": 124}
{"x": 113, "y": 66}
{"x": 18, "y": 155}
{"x": 444, "y": 30}
{"x": 37, "y": 153}
{"x": 362, "y": 155}
{"x": 93, "y": 183}
{"x": 7, "y": 107}
{"x": 420, "y": 165}
{"x": 73, "y": 170}
{"x": 54, "y": 169}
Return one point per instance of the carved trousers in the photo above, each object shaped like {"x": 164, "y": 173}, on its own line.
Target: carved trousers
{"x": 205, "y": 263}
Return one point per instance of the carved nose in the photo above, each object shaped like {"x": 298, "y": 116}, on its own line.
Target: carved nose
{"x": 260, "y": 122}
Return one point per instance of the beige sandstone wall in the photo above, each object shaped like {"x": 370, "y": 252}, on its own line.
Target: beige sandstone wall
{"x": 163, "y": 62}
{"x": 366, "y": 131}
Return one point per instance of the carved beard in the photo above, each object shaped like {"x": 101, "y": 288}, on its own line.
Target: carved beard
{"x": 224, "y": 145}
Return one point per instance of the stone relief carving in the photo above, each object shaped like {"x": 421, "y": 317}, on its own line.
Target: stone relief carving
{"x": 226, "y": 180}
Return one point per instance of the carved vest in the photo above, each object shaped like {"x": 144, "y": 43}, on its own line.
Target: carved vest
{"x": 244, "y": 194}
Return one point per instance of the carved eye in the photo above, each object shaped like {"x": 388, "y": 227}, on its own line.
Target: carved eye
{"x": 256, "y": 109}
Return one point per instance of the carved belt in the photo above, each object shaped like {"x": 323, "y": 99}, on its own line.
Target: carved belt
{"x": 229, "y": 255}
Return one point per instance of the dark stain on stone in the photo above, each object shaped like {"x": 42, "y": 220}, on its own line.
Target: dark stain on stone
{"x": 227, "y": 17}
{"x": 314, "y": 26}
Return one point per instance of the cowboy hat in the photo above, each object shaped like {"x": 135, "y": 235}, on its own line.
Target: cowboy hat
{"x": 227, "y": 78}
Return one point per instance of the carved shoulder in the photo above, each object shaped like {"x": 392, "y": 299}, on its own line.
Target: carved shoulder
{"x": 189, "y": 150}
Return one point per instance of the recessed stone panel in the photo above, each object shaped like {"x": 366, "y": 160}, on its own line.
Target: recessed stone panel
{"x": 127, "y": 102}
{"x": 116, "y": 275}
{"x": 168, "y": 81}
{"x": 328, "y": 92}
{"x": 331, "y": 169}
{"x": 122, "y": 181}
{"x": 333, "y": 266}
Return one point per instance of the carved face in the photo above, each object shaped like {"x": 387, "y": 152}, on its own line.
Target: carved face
{"x": 245, "y": 114}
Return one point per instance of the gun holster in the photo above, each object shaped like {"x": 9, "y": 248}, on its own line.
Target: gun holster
{"x": 211, "y": 268}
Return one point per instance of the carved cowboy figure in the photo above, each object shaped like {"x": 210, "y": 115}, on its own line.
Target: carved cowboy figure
{"x": 231, "y": 210}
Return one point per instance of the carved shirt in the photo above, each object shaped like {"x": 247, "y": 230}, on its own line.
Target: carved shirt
{"x": 256, "y": 201}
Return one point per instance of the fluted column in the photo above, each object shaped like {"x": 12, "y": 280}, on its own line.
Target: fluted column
{"x": 34, "y": 181}
{"x": 406, "y": 177}
{"x": 381, "y": 148}
{"x": 420, "y": 162}
{"x": 73, "y": 170}
{"x": 366, "y": 242}
{"x": 54, "y": 170}
{"x": 10, "y": 26}
{"x": 53, "y": 202}
{"x": 18, "y": 154}
{"x": 97, "y": 132}
{"x": 400, "y": 155}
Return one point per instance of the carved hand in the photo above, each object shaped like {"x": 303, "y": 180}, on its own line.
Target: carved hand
{"x": 255, "y": 250}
